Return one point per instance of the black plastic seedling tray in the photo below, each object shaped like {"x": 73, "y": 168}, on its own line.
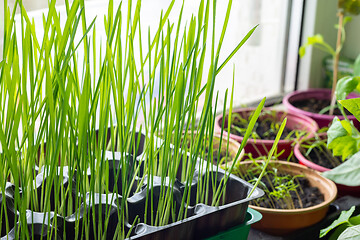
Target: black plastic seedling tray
{"x": 202, "y": 220}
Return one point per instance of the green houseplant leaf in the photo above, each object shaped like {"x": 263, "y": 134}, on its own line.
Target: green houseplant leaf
{"x": 342, "y": 138}
{"x": 355, "y": 220}
{"x": 348, "y": 84}
{"x": 353, "y": 105}
{"x": 347, "y": 173}
{"x": 343, "y": 218}
{"x": 345, "y": 86}
{"x": 351, "y": 233}
{"x": 318, "y": 42}
{"x": 345, "y": 227}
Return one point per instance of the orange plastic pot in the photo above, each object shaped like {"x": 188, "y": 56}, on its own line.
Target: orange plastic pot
{"x": 284, "y": 221}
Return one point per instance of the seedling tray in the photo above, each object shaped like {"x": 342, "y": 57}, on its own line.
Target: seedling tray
{"x": 202, "y": 220}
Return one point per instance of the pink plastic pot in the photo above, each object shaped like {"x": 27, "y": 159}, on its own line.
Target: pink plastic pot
{"x": 322, "y": 120}
{"x": 342, "y": 189}
{"x": 303, "y": 160}
{"x": 261, "y": 147}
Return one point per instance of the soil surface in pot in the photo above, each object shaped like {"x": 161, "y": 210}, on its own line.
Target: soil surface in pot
{"x": 282, "y": 190}
{"x": 315, "y": 105}
{"x": 266, "y": 130}
{"x": 291, "y": 158}
{"x": 302, "y": 196}
{"x": 322, "y": 156}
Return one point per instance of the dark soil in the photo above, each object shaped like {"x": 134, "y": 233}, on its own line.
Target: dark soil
{"x": 304, "y": 196}
{"x": 264, "y": 130}
{"x": 322, "y": 156}
{"x": 291, "y": 158}
{"x": 315, "y": 105}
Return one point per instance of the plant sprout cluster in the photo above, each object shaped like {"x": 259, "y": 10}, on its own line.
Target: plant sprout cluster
{"x": 59, "y": 106}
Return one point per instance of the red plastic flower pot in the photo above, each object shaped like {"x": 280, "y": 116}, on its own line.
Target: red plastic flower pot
{"x": 303, "y": 160}
{"x": 342, "y": 189}
{"x": 261, "y": 147}
{"x": 323, "y": 120}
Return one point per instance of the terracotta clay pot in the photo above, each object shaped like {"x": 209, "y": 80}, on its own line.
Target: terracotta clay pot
{"x": 281, "y": 222}
{"x": 342, "y": 189}
{"x": 261, "y": 147}
{"x": 323, "y": 120}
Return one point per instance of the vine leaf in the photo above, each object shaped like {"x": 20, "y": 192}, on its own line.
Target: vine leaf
{"x": 353, "y": 106}
{"x": 343, "y": 219}
{"x": 346, "y": 173}
{"x": 351, "y": 233}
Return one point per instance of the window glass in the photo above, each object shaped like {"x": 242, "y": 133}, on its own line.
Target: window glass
{"x": 258, "y": 68}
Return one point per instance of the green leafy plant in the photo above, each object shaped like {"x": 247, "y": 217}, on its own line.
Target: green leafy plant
{"x": 345, "y": 227}
{"x": 344, "y": 6}
{"x": 342, "y": 134}
{"x": 343, "y": 139}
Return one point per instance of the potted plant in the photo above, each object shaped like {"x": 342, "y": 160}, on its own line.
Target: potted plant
{"x": 314, "y": 153}
{"x": 295, "y": 196}
{"x": 101, "y": 174}
{"x": 319, "y": 104}
{"x": 314, "y": 103}
{"x": 336, "y": 146}
{"x": 265, "y": 131}
{"x": 343, "y": 141}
